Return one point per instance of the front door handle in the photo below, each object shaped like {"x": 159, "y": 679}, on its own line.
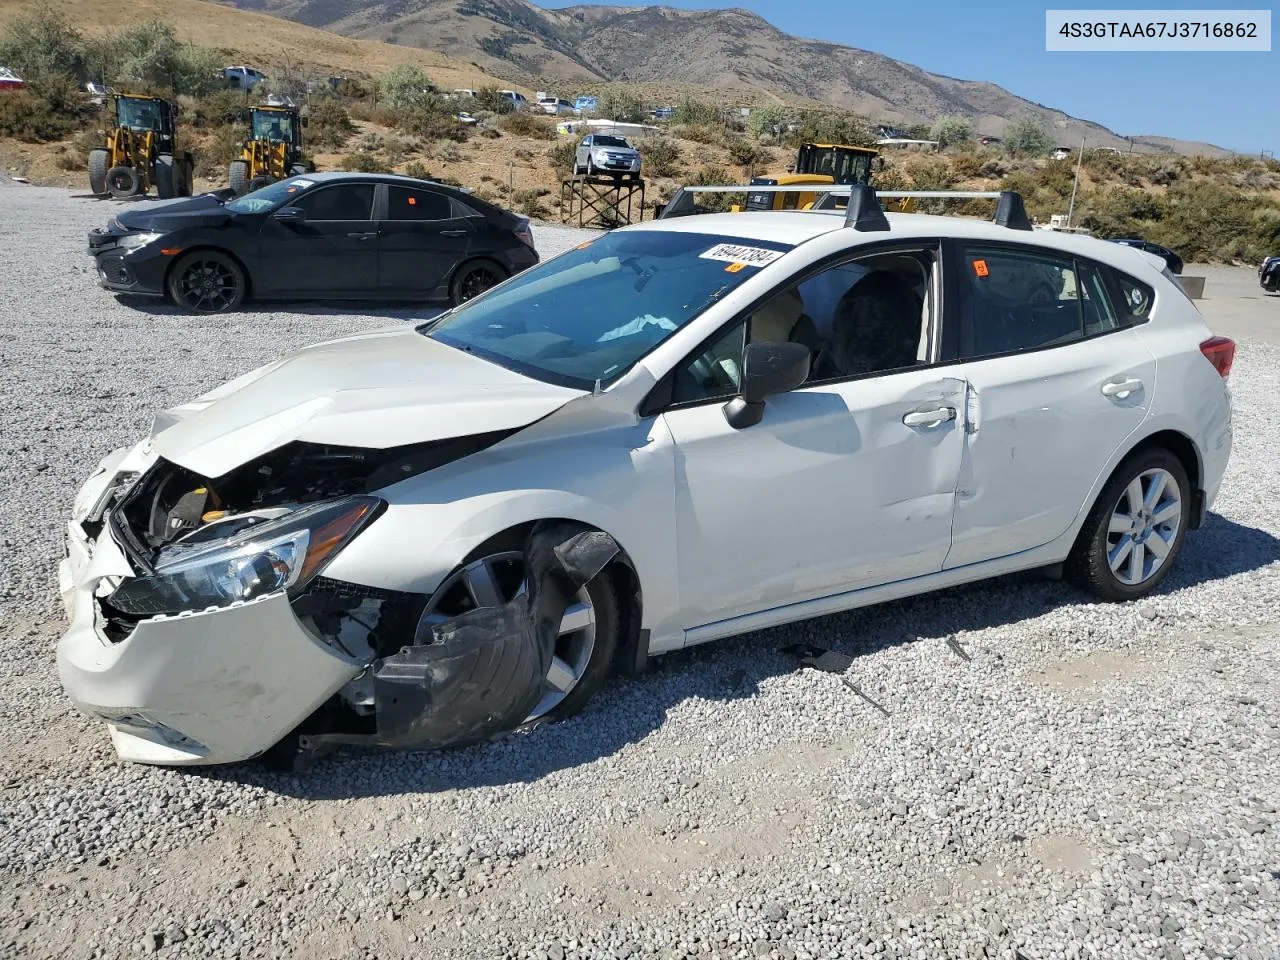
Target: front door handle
{"x": 453, "y": 233}
{"x": 361, "y": 236}
{"x": 929, "y": 418}
{"x": 1121, "y": 388}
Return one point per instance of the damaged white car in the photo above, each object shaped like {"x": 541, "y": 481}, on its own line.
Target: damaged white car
{"x": 676, "y": 432}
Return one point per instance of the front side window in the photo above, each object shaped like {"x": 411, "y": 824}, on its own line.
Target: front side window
{"x": 405, "y": 204}
{"x": 591, "y": 313}
{"x": 349, "y": 201}
{"x": 1013, "y": 300}
{"x": 272, "y": 196}
{"x": 864, "y": 316}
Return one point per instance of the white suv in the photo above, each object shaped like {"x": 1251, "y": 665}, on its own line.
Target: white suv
{"x": 673, "y": 433}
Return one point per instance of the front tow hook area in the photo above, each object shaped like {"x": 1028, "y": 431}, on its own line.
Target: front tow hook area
{"x": 482, "y": 672}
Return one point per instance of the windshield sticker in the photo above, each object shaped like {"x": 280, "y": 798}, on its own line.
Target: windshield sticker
{"x": 734, "y": 267}
{"x": 736, "y": 253}
{"x": 980, "y": 268}
{"x": 302, "y": 184}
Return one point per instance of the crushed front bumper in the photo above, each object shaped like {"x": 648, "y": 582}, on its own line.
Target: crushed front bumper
{"x": 214, "y": 686}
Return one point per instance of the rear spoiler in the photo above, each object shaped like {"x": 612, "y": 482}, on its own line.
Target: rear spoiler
{"x": 863, "y": 210}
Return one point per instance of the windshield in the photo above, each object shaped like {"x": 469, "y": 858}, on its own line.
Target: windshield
{"x": 271, "y": 196}
{"x": 603, "y": 141}
{"x": 138, "y": 114}
{"x": 591, "y": 313}
{"x": 270, "y": 125}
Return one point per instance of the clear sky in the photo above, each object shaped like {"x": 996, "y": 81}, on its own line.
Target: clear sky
{"x": 1229, "y": 99}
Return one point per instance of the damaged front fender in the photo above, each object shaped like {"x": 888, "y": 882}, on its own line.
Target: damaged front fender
{"x": 480, "y": 673}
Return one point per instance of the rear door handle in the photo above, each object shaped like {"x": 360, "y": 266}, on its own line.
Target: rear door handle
{"x": 361, "y": 236}
{"x": 1121, "y": 388}
{"x": 453, "y": 233}
{"x": 929, "y": 418}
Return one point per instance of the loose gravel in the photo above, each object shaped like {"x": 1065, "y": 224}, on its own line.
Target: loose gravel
{"x": 1048, "y": 778}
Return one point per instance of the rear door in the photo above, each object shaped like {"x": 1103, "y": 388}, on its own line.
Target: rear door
{"x": 423, "y": 238}
{"x": 1058, "y": 382}
{"x": 333, "y": 252}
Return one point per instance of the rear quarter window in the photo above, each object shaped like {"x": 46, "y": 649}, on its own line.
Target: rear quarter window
{"x": 1132, "y": 298}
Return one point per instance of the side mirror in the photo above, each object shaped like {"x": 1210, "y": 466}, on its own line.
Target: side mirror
{"x": 767, "y": 370}
{"x": 291, "y": 215}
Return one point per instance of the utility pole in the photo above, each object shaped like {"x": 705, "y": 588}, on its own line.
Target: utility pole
{"x": 1076, "y": 185}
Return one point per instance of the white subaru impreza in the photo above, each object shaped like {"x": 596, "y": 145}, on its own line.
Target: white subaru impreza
{"x": 675, "y": 432}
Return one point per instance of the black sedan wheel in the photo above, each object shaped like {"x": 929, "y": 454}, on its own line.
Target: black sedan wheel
{"x": 473, "y": 279}
{"x": 206, "y": 281}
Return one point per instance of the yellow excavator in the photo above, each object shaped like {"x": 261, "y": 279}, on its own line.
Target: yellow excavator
{"x": 140, "y": 152}
{"x": 272, "y": 151}
{"x": 818, "y": 164}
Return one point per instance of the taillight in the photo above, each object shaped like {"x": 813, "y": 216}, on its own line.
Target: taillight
{"x": 1221, "y": 352}
{"x": 524, "y": 233}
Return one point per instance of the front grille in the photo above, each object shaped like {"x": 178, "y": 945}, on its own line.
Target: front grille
{"x": 113, "y": 268}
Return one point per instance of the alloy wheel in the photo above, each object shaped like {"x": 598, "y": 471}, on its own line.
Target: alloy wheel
{"x": 494, "y": 580}
{"x": 477, "y": 281}
{"x": 208, "y": 285}
{"x": 1144, "y": 526}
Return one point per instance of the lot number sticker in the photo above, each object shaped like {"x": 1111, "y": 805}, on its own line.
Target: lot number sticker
{"x": 736, "y": 253}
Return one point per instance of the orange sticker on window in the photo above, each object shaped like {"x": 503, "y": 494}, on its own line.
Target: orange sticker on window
{"x": 734, "y": 267}
{"x": 980, "y": 268}
{"x": 413, "y": 201}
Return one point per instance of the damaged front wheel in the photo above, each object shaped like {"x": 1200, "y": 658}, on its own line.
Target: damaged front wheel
{"x": 587, "y": 637}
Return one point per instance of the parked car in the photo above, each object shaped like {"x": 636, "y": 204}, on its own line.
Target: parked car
{"x": 1269, "y": 274}
{"x": 320, "y": 236}
{"x": 600, "y": 153}
{"x": 989, "y": 141}
{"x": 555, "y": 105}
{"x": 586, "y": 105}
{"x": 244, "y": 78}
{"x": 10, "y": 80}
{"x": 518, "y": 100}
{"x": 1171, "y": 259}
{"x": 671, "y": 433}
{"x": 664, "y": 113}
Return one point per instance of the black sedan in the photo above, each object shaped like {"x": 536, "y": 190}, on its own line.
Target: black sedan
{"x": 1173, "y": 261}
{"x": 1269, "y": 275}
{"x": 323, "y": 236}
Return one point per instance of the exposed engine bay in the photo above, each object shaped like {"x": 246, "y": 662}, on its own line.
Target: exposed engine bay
{"x": 271, "y": 526}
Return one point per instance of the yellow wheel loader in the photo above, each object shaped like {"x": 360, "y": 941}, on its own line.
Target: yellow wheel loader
{"x": 140, "y": 152}
{"x": 819, "y": 164}
{"x": 272, "y": 151}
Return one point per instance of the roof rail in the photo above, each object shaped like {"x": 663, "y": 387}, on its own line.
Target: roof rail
{"x": 863, "y": 211}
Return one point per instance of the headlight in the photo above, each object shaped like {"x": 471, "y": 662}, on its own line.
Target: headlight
{"x": 132, "y": 241}
{"x": 283, "y": 554}
{"x": 602, "y": 154}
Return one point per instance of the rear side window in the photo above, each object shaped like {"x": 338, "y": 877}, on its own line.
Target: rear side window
{"x": 405, "y": 204}
{"x": 1014, "y": 300}
{"x": 1133, "y": 298}
{"x": 350, "y": 201}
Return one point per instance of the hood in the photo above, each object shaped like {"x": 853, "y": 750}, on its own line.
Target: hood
{"x": 166, "y": 215}
{"x": 377, "y": 390}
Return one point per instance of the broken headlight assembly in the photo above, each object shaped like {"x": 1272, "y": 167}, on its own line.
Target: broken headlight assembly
{"x": 285, "y": 553}
{"x": 134, "y": 241}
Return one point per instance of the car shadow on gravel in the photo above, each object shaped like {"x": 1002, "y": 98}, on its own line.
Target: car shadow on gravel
{"x": 628, "y": 710}
{"x": 416, "y": 312}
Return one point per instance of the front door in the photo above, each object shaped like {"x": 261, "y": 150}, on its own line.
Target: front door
{"x": 333, "y": 252}
{"x": 422, "y": 239}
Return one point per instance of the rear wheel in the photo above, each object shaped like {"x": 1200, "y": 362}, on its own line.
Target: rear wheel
{"x": 588, "y": 633}
{"x": 206, "y": 281}
{"x": 186, "y": 185}
{"x": 238, "y": 177}
{"x": 167, "y": 177}
{"x": 98, "y": 162}
{"x": 123, "y": 182}
{"x": 473, "y": 279}
{"x": 1134, "y": 532}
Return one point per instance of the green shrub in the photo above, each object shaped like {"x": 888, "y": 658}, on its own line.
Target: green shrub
{"x": 404, "y": 85}
{"x": 521, "y": 124}
{"x": 931, "y": 173}
{"x": 431, "y": 119}
{"x": 713, "y": 176}
{"x": 1025, "y": 136}
{"x": 769, "y": 120}
{"x": 622, "y": 105}
{"x": 415, "y": 168}
{"x": 690, "y": 112}
{"x": 488, "y": 98}
{"x": 561, "y": 156}
{"x": 42, "y": 44}
{"x": 328, "y": 124}
{"x": 215, "y": 110}
{"x": 25, "y": 116}
{"x": 831, "y": 126}
{"x": 361, "y": 161}
{"x": 744, "y": 153}
{"x": 698, "y": 132}
{"x": 218, "y": 149}
{"x": 661, "y": 156}
{"x": 951, "y": 131}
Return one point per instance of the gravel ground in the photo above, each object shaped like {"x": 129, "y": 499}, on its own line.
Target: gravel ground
{"x": 1084, "y": 781}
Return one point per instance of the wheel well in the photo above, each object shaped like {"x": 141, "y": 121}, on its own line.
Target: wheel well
{"x": 248, "y": 278}
{"x": 472, "y": 260}
{"x": 1181, "y": 446}
{"x": 621, "y": 572}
